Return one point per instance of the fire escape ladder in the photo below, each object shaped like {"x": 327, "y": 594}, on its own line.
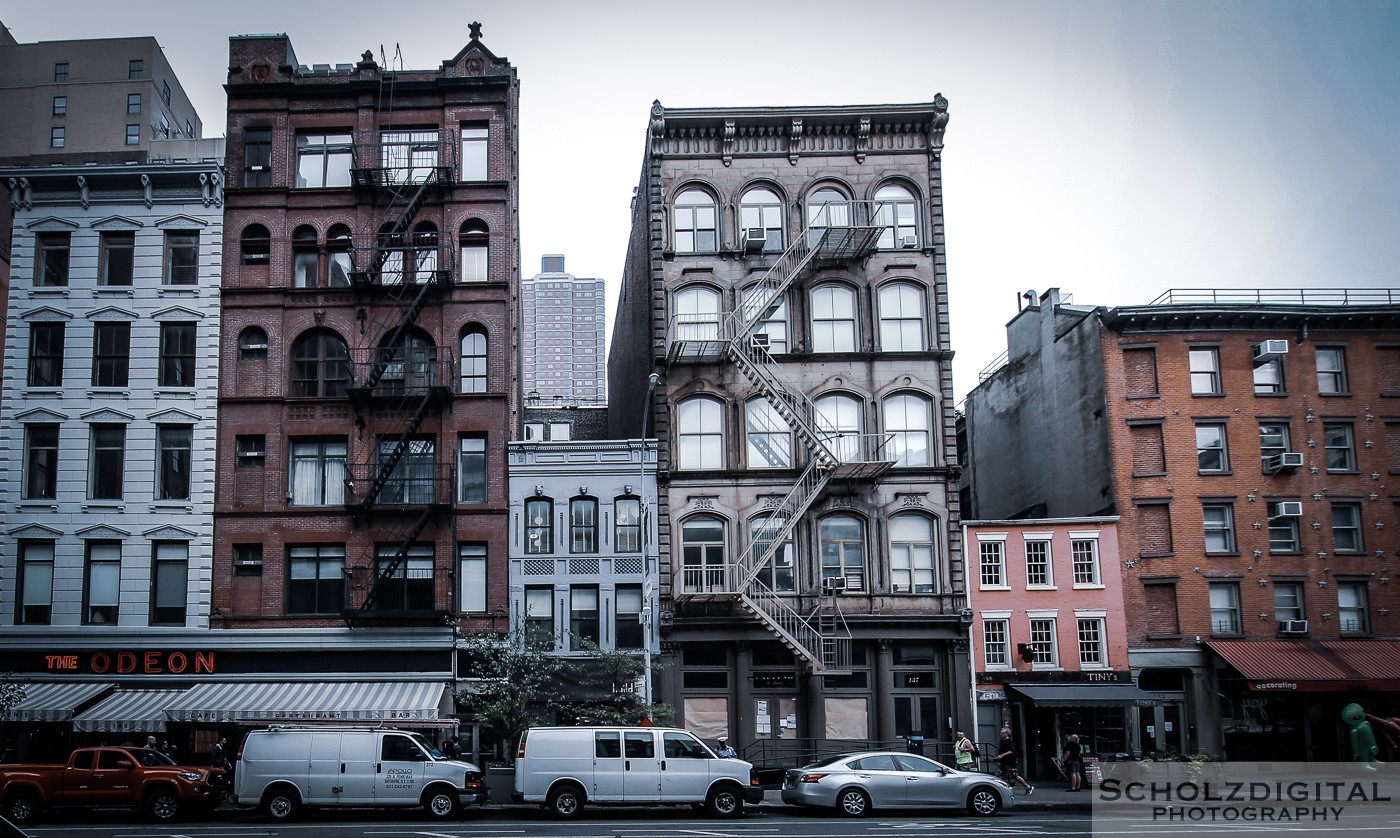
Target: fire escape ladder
{"x": 394, "y": 342}
{"x": 400, "y": 228}
{"x": 387, "y": 570}
{"x": 388, "y": 463}
{"x": 777, "y": 523}
{"x": 822, "y": 636}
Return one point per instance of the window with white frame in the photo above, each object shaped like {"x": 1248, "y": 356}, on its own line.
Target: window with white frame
{"x": 778, "y": 573}
{"x": 476, "y": 143}
{"x": 1084, "y": 560}
{"x": 833, "y": 319}
{"x": 1044, "y": 643}
{"x": 1205, "y": 371}
{"x": 773, "y": 322}
{"x": 475, "y": 241}
{"x": 901, "y": 317}
{"x": 992, "y": 562}
{"x": 1211, "y": 455}
{"x": 1268, "y": 378}
{"x": 627, "y": 524}
{"x": 996, "y": 648}
{"x": 1219, "y": 522}
{"x": 912, "y": 557}
{"x": 1273, "y": 440}
{"x": 897, "y": 213}
{"x": 323, "y": 160}
{"x": 539, "y": 525}
{"x": 1225, "y": 607}
{"x": 583, "y": 525}
{"x": 1331, "y": 370}
{"x": 35, "y": 600}
{"x": 539, "y": 617}
{"x": 909, "y": 424}
{"x": 695, "y": 222}
{"x": 826, "y": 207}
{"x": 697, "y": 313}
{"x": 1353, "y": 615}
{"x": 1093, "y": 646}
{"x": 1038, "y": 569}
{"x": 473, "y": 379}
{"x": 768, "y": 435}
{"x": 761, "y": 216}
{"x": 700, "y": 434}
{"x": 170, "y": 583}
{"x": 1288, "y": 601}
{"x": 839, "y": 424}
{"x": 318, "y": 472}
{"x": 103, "y": 584}
{"x": 471, "y": 562}
{"x": 702, "y": 553}
{"x": 1283, "y": 529}
{"x": 842, "y": 541}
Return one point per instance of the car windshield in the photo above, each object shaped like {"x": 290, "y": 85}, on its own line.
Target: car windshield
{"x": 150, "y": 758}
{"x": 428, "y": 746}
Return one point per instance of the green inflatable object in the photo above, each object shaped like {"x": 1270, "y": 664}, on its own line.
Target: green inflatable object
{"x": 1363, "y": 741}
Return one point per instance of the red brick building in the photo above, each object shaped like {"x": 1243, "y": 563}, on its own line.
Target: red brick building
{"x": 1249, "y": 441}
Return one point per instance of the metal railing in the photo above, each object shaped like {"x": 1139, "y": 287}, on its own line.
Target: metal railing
{"x": 1279, "y": 296}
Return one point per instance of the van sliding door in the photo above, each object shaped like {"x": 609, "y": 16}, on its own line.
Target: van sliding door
{"x": 641, "y": 782}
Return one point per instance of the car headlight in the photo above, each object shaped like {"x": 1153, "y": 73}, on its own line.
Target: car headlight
{"x": 191, "y": 776}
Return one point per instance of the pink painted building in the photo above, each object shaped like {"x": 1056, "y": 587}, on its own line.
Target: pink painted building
{"x": 1050, "y": 643}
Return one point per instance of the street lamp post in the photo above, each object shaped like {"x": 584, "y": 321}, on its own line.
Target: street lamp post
{"x": 648, "y": 574}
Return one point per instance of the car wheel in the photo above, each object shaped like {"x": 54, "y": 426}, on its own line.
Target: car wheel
{"x": 441, "y": 804}
{"x": 565, "y": 802}
{"x": 23, "y": 807}
{"x": 280, "y": 804}
{"x": 983, "y": 801}
{"x": 162, "y": 806}
{"x": 724, "y": 802}
{"x": 853, "y": 803}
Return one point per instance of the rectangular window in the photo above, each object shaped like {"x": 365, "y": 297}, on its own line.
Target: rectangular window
{"x": 539, "y": 526}
{"x": 627, "y": 525}
{"x": 35, "y": 583}
{"x": 1225, "y": 607}
{"x": 1268, "y": 378}
{"x": 247, "y": 560}
{"x": 995, "y": 651}
{"x": 471, "y": 469}
{"x": 60, "y": 72}
{"x": 177, "y": 349}
{"x": 133, "y": 133}
{"x": 108, "y": 462}
{"x": 583, "y": 525}
{"x": 1084, "y": 557}
{"x": 165, "y": 92}
{"x": 1093, "y": 650}
{"x": 57, "y": 137}
{"x": 560, "y": 431}
{"x": 51, "y": 260}
{"x": 1038, "y": 574}
{"x": 1341, "y": 454}
{"x": 250, "y": 451}
{"x": 1353, "y": 615}
{"x": 170, "y": 583}
{"x": 318, "y": 472}
{"x": 117, "y": 259}
{"x": 1219, "y": 527}
{"x": 111, "y": 354}
{"x": 323, "y": 160}
{"x": 1273, "y": 440}
{"x": 46, "y": 354}
{"x": 135, "y": 68}
{"x": 1044, "y": 643}
{"x": 1283, "y": 529}
{"x": 182, "y": 258}
{"x": 1331, "y": 370}
{"x": 409, "y": 156}
{"x": 629, "y": 626}
{"x": 60, "y": 105}
{"x": 315, "y": 579}
{"x": 993, "y": 561}
{"x": 539, "y": 617}
{"x": 174, "y": 444}
{"x": 41, "y": 461}
{"x": 104, "y": 574}
{"x": 257, "y": 157}
{"x": 1211, "y": 455}
{"x": 475, "y": 141}
{"x": 133, "y": 103}
{"x": 1346, "y": 528}
{"x": 412, "y": 480}
{"x": 583, "y": 617}
{"x": 405, "y": 582}
{"x": 471, "y": 558}
{"x": 1205, "y": 372}
{"x": 1288, "y": 601}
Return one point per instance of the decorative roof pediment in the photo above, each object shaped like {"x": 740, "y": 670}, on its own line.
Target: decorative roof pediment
{"x": 111, "y": 313}
{"x": 117, "y": 222}
{"x": 475, "y": 59}
{"x": 170, "y": 533}
{"x": 173, "y": 414}
{"x": 180, "y": 222}
{"x": 51, "y": 223}
{"x": 46, "y": 314}
{"x": 177, "y": 313}
{"x": 107, "y": 416}
{"x": 34, "y": 531}
{"x": 40, "y": 414}
{"x": 104, "y": 531}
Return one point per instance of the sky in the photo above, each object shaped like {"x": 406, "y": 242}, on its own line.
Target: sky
{"x": 1112, "y": 150}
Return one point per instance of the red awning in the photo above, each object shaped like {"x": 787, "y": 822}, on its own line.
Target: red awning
{"x": 1313, "y": 665}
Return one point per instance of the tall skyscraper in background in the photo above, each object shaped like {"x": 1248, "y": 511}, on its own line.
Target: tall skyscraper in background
{"x": 562, "y": 318}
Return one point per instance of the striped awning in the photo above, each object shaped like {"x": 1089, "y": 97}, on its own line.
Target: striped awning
{"x": 351, "y": 701}
{"x": 140, "y": 711}
{"x": 53, "y": 702}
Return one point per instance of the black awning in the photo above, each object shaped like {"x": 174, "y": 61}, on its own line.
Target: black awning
{"x": 1086, "y": 695}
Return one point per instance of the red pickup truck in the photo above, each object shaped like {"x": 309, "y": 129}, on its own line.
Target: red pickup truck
{"x": 131, "y": 778}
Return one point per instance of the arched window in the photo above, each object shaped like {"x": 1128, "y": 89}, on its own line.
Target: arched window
{"x": 255, "y": 245}
{"x": 702, "y": 553}
{"x": 393, "y": 247}
{"x": 772, "y": 322}
{"x": 425, "y": 252}
{"x": 697, "y": 314}
{"x": 768, "y": 435}
{"x": 583, "y": 525}
{"x": 408, "y": 364}
{"x": 338, "y": 245}
{"x": 826, "y": 207}
{"x": 700, "y": 434}
{"x": 252, "y": 344}
{"x": 833, "y": 319}
{"x": 475, "y": 239}
{"x": 898, "y": 212}
{"x": 539, "y": 525}
{"x": 901, "y": 318}
{"x": 305, "y": 259}
{"x": 473, "y": 360}
{"x": 839, "y": 422}
{"x": 320, "y": 365}
{"x": 909, "y": 422}
{"x": 843, "y": 549}
{"x": 778, "y": 573}
{"x": 695, "y": 219}
{"x": 761, "y": 221}
{"x": 912, "y": 554}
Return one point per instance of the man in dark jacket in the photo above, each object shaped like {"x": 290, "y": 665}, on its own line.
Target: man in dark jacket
{"x": 1007, "y": 760}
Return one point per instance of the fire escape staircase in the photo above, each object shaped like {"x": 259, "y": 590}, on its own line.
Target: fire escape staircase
{"x": 820, "y": 634}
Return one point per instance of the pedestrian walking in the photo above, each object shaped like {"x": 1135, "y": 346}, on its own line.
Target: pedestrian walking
{"x": 1008, "y": 762}
{"x": 218, "y": 755}
{"x": 1074, "y": 761}
{"x": 454, "y": 747}
{"x": 964, "y": 752}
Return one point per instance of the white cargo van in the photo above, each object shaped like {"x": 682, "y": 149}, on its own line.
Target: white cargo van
{"x": 285, "y": 768}
{"x": 566, "y": 768}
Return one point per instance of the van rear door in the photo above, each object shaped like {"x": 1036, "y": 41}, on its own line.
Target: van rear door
{"x": 641, "y": 782}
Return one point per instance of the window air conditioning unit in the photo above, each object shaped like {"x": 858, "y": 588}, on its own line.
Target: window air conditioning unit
{"x": 901, "y": 587}
{"x": 1289, "y": 509}
{"x": 908, "y": 242}
{"x": 1293, "y": 626}
{"x": 1286, "y": 461}
{"x": 754, "y": 239}
{"x": 833, "y": 583}
{"x": 758, "y": 340}
{"x": 1268, "y": 350}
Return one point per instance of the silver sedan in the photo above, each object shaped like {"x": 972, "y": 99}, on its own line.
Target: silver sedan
{"x": 853, "y": 784}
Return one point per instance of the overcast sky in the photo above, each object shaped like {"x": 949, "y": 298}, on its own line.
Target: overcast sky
{"x": 1114, "y": 150}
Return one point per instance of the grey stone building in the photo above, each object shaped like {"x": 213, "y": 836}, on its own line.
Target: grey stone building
{"x": 786, "y": 281}
{"x": 563, "y": 324}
